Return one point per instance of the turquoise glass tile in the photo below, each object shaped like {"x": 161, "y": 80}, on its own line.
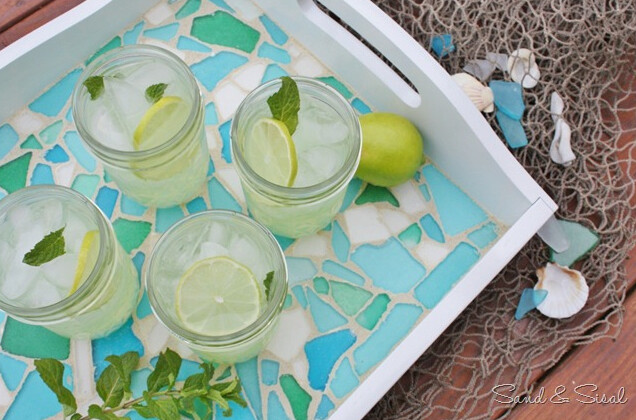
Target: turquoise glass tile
{"x": 353, "y": 189}
{"x": 190, "y": 7}
{"x": 269, "y": 372}
{"x": 131, "y": 36}
{"x": 300, "y": 269}
{"x": 118, "y": 342}
{"x": 30, "y": 143}
{"x": 34, "y": 390}
{"x": 51, "y": 102}
{"x": 210, "y": 168}
{"x": 284, "y": 241}
{"x": 344, "y": 380}
{"x": 321, "y": 285}
{"x": 213, "y": 69}
{"x": 221, "y": 28}
{"x": 42, "y": 174}
{"x": 56, "y": 155}
{"x": 248, "y": 374}
{"x": 222, "y": 4}
{"x": 446, "y": 274}
{"x": 69, "y": 115}
{"x": 442, "y": 45}
{"x": 210, "y": 114}
{"x": 530, "y": 299}
{"x": 390, "y": 266}
{"x": 273, "y": 71}
{"x": 389, "y": 333}
{"x": 163, "y": 33}
{"x": 288, "y": 301}
{"x": 325, "y": 317}
{"x": 220, "y": 198}
{"x": 323, "y": 352}
{"x": 107, "y": 177}
{"x": 508, "y": 98}
{"x": 189, "y": 44}
{"x": 411, "y": 236}
{"x": 432, "y": 229}
{"x": 340, "y": 242}
{"x": 483, "y": 236}
{"x": 8, "y": 139}
{"x": 324, "y": 408}
{"x": 456, "y": 210}
{"x": 167, "y": 217}
{"x": 267, "y": 50}
{"x": 349, "y": 298}
{"x": 238, "y": 412}
{"x": 226, "y": 374}
{"x": 275, "y": 410}
{"x": 2, "y": 314}
{"x": 342, "y": 272}
{"x": 196, "y": 205}
{"x": 512, "y": 130}
{"x": 226, "y": 150}
{"x": 360, "y": 106}
{"x": 582, "y": 240}
{"x": 49, "y": 134}
{"x": 106, "y": 199}
{"x": 85, "y": 184}
{"x": 74, "y": 144}
{"x": 300, "y": 296}
{"x": 131, "y": 207}
{"x": 144, "y": 309}
{"x": 138, "y": 382}
{"x": 338, "y": 85}
{"x": 188, "y": 368}
{"x": 277, "y": 34}
{"x": 2, "y": 195}
{"x": 111, "y": 45}
{"x": 13, "y": 174}
{"x": 373, "y": 312}
{"x": 12, "y": 371}
{"x": 425, "y": 192}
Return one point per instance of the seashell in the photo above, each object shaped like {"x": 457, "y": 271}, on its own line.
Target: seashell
{"x": 556, "y": 106}
{"x": 567, "y": 291}
{"x": 479, "y": 94}
{"x": 561, "y": 149}
{"x": 523, "y": 68}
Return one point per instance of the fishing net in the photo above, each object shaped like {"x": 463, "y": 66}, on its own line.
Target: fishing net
{"x": 586, "y": 51}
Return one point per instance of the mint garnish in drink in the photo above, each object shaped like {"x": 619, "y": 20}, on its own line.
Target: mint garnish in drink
{"x": 155, "y": 92}
{"x": 49, "y": 248}
{"x": 285, "y": 104}
{"x": 268, "y": 283}
{"x": 95, "y": 86}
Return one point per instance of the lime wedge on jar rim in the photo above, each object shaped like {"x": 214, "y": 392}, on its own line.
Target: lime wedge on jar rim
{"x": 86, "y": 259}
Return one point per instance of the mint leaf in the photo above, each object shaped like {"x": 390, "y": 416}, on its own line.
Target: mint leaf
{"x": 124, "y": 365}
{"x": 110, "y": 387}
{"x": 166, "y": 371}
{"x": 143, "y": 411}
{"x": 52, "y": 373}
{"x": 155, "y": 92}
{"x": 95, "y": 86}
{"x": 96, "y": 412}
{"x": 285, "y": 104}
{"x": 49, "y": 248}
{"x": 268, "y": 283}
{"x": 165, "y": 409}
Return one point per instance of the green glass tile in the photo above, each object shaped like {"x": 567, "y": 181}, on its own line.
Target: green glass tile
{"x": 131, "y": 234}
{"x": 338, "y": 85}
{"x": 411, "y": 236}
{"x": 33, "y": 341}
{"x": 85, "y": 184}
{"x": 288, "y": 301}
{"x": 190, "y": 7}
{"x": 49, "y": 134}
{"x": 13, "y": 174}
{"x": 372, "y": 314}
{"x": 107, "y": 177}
{"x": 582, "y": 240}
{"x": 111, "y": 45}
{"x": 31, "y": 143}
{"x": 321, "y": 285}
{"x": 221, "y": 28}
{"x": 350, "y": 298}
{"x": 298, "y": 398}
{"x": 374, "y": 194}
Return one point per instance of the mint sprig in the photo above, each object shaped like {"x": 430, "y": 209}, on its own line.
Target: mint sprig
{"x": 285, "y": 104}
{"x": 95, "y": 86}
{"x": 268, "y": 283}
{"x": 161, "y": 399}
{"x": 155, "y": 92}
{"x": 49, "y": 248}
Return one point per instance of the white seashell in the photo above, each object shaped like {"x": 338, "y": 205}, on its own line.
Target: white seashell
{"x": 561, "y": 149}
{"x": 479, "y": 94}
{"x": 523, "y": 68}
{"x": 567, "y": 291}
{"x": 556, "y": 106}
{"x": 500, "y": 61}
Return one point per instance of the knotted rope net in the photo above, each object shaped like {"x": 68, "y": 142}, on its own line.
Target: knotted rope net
{"x": 586, "y": 52}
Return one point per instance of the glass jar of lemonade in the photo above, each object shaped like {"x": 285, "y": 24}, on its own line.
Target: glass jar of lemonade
{"x": 88, "y": 289}
{"x": 139, "y": 110}
{"x": 218, "y": 281}
{"x": 323, "y": 153}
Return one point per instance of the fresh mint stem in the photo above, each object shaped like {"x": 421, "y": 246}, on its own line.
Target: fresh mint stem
{"x": 285, "y": 103}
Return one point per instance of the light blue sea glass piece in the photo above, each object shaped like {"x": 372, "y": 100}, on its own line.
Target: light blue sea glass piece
{"x": 42, "y": 174}
{"x": 275, "y": 410}
{"x": 323, "y": 352}
{"x": 442, "y": 45}
{"x": 300, "y": 296}
{"x": 131, "y": 36}
{"x": 278, "y": 36}
{"x": 267, "y": 50}
{"x": 530, "y": 299}
{"x": 220, "y": 198}
{"x": 166, "y": 217}
{"x": 35, "y": 390}
{"x": 131, "y": 207}
{"x": 238, "y": 412}
{"x": 269, "y": 372}
{"x": 324, "y": 408}
{"x": 432, "y": 229}
{"x": 51, "y": 102}
{"x": 325, "y": 317}
{"x": 582, "y": 240}
{"x": 360, "y": 106}
{"x": 12, "y": 371}
{"x": 8, "y": 139}
{"x": 196, "y": 205}
{"x": 340, "y": 242}
{"x": 483, "y": 236}
{"x": 138, "y": 382}
{"x": 118, "y": 342}
{"x": 210, "y": 114}
{"x": 248, "y": 374}
{"x": 212, "y": 70}
{"x": 353, "y": 189}
{"x": 512, "y": 130}
{"x": 74, "y": 144}
{"x": 106, "y": 199}
{"x": 344, "y": 380}
{"x": 273, "y": 71}
{"x": 163, "y": 33}
{"x": 508, "y": 98}
{"x": 224, "y": 132}
{"x": 335, "y": 269}
{"x": 189, "y": 44}
{"x": 49, "y": 134}
{"x": 54, "y": 155}
{"x": 300, "y": 269}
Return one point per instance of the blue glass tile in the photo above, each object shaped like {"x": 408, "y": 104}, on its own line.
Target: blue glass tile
{"x": 323, "y": 352}
{"x": 167, "y": 217}
{"x": 226, "y": 374}
{"x": 196, "y": 205}
{"x": 106, "y": 199}
{"x": 353, "y": 189}
{"x": 300, "y": 269}
{"x": 425, "y": 192}
{"x": 144, "y": 309}
{"x": 389, "y": 333}
{"x": 360, "y": 106}
{"x": 2, "y": 314}
{"x": 442, "y": 45}
{"x": 284, "y": 241}
{"x": 131, "y": 36}
{"x": 456, "y": 210}
{"x": 300, "y": 296}
{"x": 248, "y": 374}
{"x": 74, "y": 144}
{"x": 189, "y": 44}
{"x": 34, "y": 390}
{"x": 446, "y": 274}
{"x": 210, "y": 114}
{"x": 390, "y": 266}
{"x": 278, "y": 36}
{"x": 508, "y": 98}
{"x": 267, "y": 50}
{"x": 213, "y": 69}
{"x": 138, "y": 382}
{"x": 131, "y": 207}
{"x": 8, "y": 139}
{"x": 50, "y": 133}
{"x": 164, "y": 33}
{"x": 210, "y": 167}
{"x": 339, "y": 271}
{"x": 340, "y": 242}
{"x": 118, "y": 342}
{"x": 238, "y": 412}
{"x": 42, "y": 174}
{"x": 338, "y": 85}
{"x": 220, "y": 198}
{"x": 222, "y": 4}
{"x": 324, "y": 408}
{"x": 12, "y": 371}
{"x": 344, "y": 380}
{"x": 51, "y": 102}
{"x": 512, "y": 130}
{"x": 56, "y": 155}
{"x": 107, "y": 177}
{"x": 190, "y": 7}
{"x": 432, "y": 229}
{"x": 483, "y": 236}
{"x": 417, "y": 176}
{"x": 529, "y": 300}
{"x": 273, "y": 71}
{"x": 224, "y": 131}
{"x": 188, "y": 368}
{"x": 138, "y": 262}
{"x": 275, "y": 410}
{"x": 269, "y": 372}
{"x": 325, "y": 317}
{"x": 110, "y": 45}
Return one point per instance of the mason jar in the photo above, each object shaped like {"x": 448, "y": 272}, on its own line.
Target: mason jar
{"x": 328, "y": 144}
{"x": 150, "y": 140}
{"x": 86, "y": 292}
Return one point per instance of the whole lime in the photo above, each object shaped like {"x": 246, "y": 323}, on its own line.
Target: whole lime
{"x": 391, "y": 149}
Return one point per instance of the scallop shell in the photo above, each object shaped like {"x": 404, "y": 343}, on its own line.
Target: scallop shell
{"x": 523, "y": 68}
{"x": 567, "y": 291}
{"x": 479, "y": 94}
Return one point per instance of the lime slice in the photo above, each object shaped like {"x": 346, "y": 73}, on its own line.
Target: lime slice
{"x": 270, "y": 151}
{"x": 217, "y": 296}
{"x": 86, "y": 258}
{"x": 160, "y": 123}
